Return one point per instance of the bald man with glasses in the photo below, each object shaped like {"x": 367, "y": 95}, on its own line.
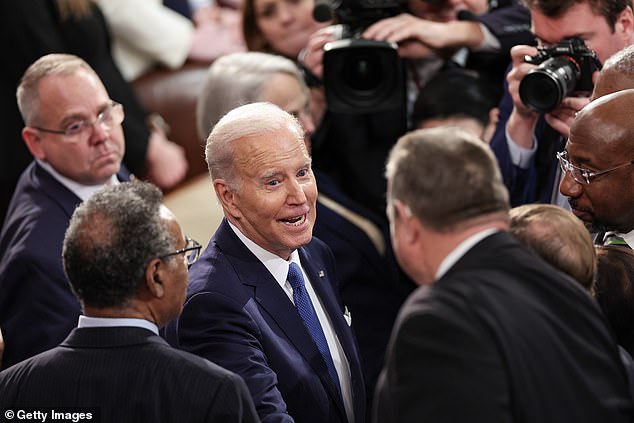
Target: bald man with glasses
{"x": 598, "y": 177}
{"x": 73, "y": 130}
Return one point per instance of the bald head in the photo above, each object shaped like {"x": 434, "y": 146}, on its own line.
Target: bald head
{"x": 617, "y": 73}
{"x": 606, "y": 122}
{"x": 601, "y": 148}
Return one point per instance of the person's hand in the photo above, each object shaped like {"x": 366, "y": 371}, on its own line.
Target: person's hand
{"x": 312, "y": 56}
{"x": 166, "y": 162}
{"x": 216, "y": 35}
{"x": 416, "y": 38}
{"x": 522, "y": 121}
{"x": 561, "y": 118}
{"x": 517, "y": 74}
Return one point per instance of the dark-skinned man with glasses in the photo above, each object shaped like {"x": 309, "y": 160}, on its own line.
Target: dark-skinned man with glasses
{"x": 73, "y": 130}
{"x": 598, "y": 176}
{"x": 126, "y": 259}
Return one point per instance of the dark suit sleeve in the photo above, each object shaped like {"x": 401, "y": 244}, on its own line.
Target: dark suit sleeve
{"x": 521, "y": 183}
{"x": 510, "y": 24}
{"x": 37, "y": 307}
{"x": 536, "y": 182}
{"x": 215, "y": 327}
{"x": 441, "y": 369}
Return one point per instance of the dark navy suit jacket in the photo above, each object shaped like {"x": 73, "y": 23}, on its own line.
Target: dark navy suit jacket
{"x": 510, "y": 23}
{"x": 37, "y": 306}
{"x": 237, "y": 316}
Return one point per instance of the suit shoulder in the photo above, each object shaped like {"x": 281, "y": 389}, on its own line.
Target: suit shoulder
{"x": 218, "y": 278}
{"x": 317, "y": 244}
{"x": 318, "y": 250}
{"x": 186, "y": 365}
{"x": 33, "y": 234}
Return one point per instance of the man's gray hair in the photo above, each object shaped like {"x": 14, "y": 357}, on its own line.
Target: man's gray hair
{"x": 237, "y": 79}
{"x": 48, "y": 65}
{"x": 111, "y": 239}
{"x": 445, "y": 176}
{"x": 240, "y": 123}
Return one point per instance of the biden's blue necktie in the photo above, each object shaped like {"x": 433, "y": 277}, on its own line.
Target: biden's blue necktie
{"x": 307, "y": 312}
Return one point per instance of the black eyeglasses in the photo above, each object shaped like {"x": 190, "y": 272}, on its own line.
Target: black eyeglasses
{"x": 191, "y": 251}
{"x": 78, "y": 130}
{"x": 581, "y": 175}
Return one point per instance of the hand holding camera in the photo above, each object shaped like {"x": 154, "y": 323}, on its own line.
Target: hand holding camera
{"x": 415, "y": 36}
{"x": 563, "y": 69}
{"x": 557, "y": 87}
{"x": 312, "y": 56}
{"x": 361, "y": 76}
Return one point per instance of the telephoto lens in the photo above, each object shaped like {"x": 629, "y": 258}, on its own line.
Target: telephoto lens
{"x": 562, "y": 69}
{"x": 544, "y": 87}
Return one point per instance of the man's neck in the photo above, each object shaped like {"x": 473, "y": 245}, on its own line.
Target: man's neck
{"x": 128, "y": 312}
{"x": 442, "y": 245}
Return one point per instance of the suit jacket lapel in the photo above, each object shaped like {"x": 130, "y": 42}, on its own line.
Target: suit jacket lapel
{"x": 325, "y": 288}
{"x": 315, "y": 270}
{"x": 52, "y": 188}
{"x": 57, "y": 192}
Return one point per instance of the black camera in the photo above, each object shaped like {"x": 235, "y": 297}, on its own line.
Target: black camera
{"x": 564, "y": 68}
{"x": 361, "y": 76}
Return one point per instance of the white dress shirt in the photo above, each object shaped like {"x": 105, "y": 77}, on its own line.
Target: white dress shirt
{"x": 109, "y": 322}
{"x": 84, "y": 192}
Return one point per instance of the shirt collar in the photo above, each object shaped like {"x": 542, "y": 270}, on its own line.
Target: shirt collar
{"x": 277, "y": 266}
{"x": 82, "y": 191}
{"x": 462, "y": 248}
{"x": 628, "y": 238}
{"x": 100, "y": 322}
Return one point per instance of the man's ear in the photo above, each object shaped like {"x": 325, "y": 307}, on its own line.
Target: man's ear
{"x": 403, "y": 215}
{"x": 33, "y": 142}
{"x": 154, "y": 278}
{"x": 624, "y": 24}
{"x": 227, "y": 197}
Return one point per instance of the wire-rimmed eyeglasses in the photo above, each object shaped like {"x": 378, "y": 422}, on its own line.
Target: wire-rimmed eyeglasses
{"x": 191, "y": 251}
{"x": 81, "y": 129}
{"x": 581, "y": 175}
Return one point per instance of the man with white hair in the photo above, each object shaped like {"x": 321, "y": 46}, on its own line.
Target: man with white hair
{"x": 263, "y": 299}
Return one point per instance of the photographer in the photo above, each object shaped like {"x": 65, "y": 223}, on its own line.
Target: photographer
{"x": 353, "y": 149}
{"x": 525, "y": 141}
{"x": 439, "y": 29}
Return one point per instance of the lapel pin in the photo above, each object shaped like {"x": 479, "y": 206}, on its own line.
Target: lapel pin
{"x": 321, "y": 274}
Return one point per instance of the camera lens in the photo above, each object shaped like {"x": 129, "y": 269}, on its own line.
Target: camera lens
{"x": 363, "y": 72}
{"x": 544, "y": 87}
{"x": 362, "y": 76}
